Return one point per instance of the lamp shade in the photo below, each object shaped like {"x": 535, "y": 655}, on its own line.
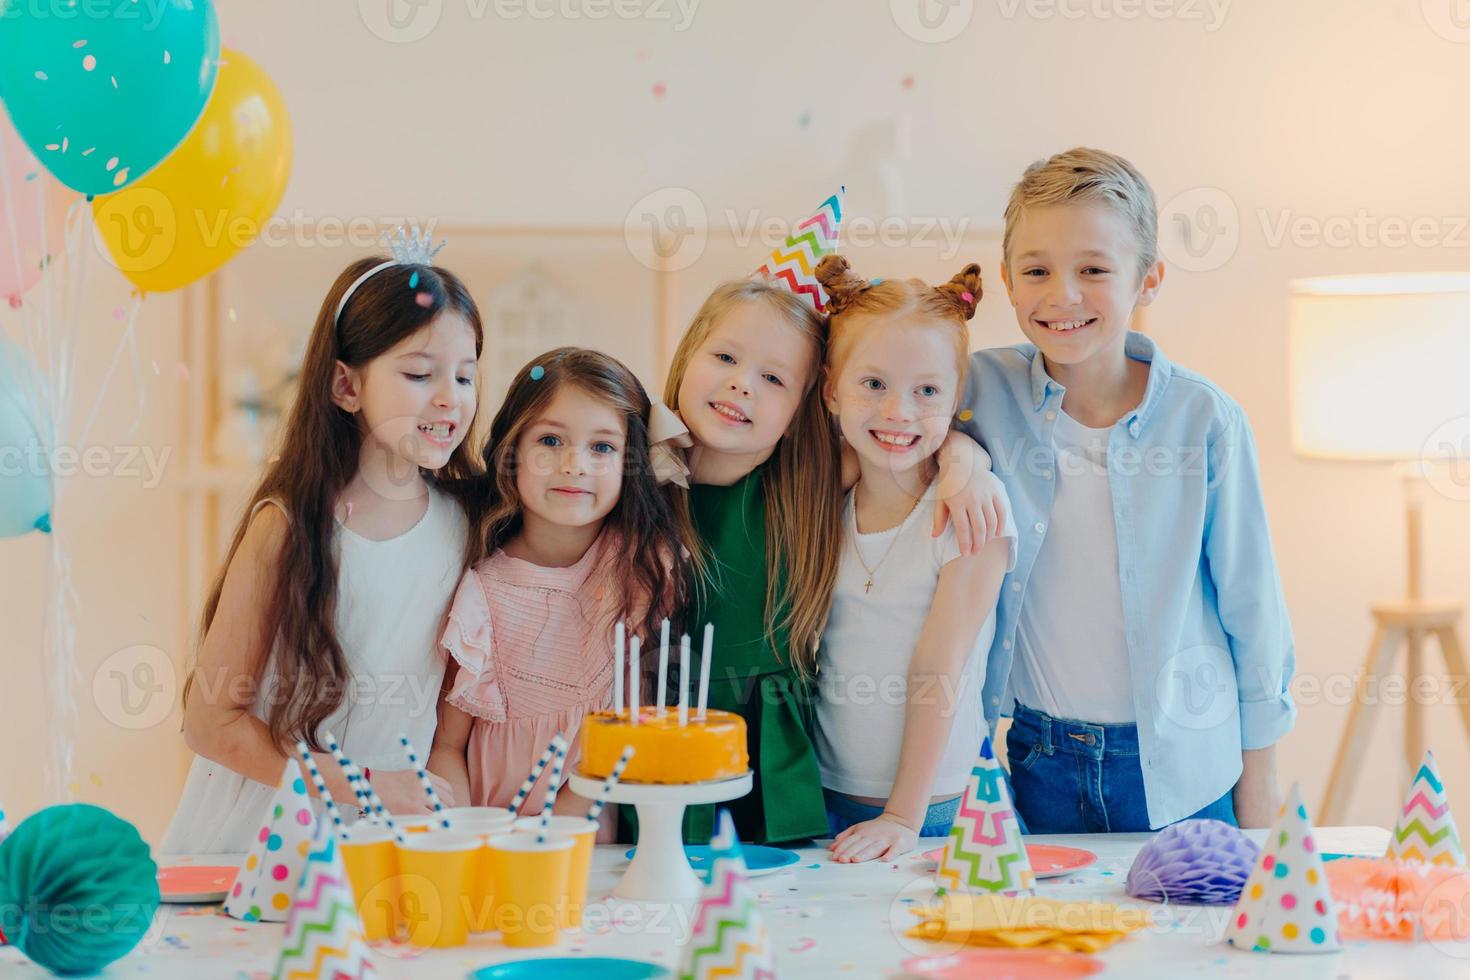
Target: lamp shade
{"x": 1379, "y": 365}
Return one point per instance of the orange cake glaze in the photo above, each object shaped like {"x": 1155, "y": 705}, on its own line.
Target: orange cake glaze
{"x": 665, "y": 751}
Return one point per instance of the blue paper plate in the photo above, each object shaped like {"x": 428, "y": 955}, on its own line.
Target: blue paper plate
{"x": 569, "y": 968}
{"x": 759, "y": 859}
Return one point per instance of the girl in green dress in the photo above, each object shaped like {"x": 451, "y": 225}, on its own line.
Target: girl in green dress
{"x": 764, "y": 504}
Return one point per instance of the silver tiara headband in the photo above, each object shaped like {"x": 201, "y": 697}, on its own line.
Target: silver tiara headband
{"x": 407, "y": 248}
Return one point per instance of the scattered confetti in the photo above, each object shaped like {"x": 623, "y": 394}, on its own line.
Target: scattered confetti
{"x": 804, "y": 120}
{"x": 121, "y": 177}
{"x": 96, "y": 779}
{"x": 802, "y": 945}
{"x": 537, "y": 373}
{"x": 73, "y": 788}
{"x": 424, "y": 300}
{"x": 89, "y": 151}
{"x": 908, "y": 83}
{"x": 42, "y": 76}
{"x": 114, "y": 80}
{"x": 79, "y": 44}
{"x": 89, "y": 62}
{"x": 118, "y": 312}
{"x": 413, "y": 281}
{"x": 660, "y": 90}
{"x": 167, "y": 57}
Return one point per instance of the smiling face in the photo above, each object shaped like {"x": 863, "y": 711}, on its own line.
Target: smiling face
{"x": 895, "y": 389}
{"x": 745, "y": 381}
{"x": 570, "y": 457}
{"x": 1073, "y": 278}
{"x": 417, "y": 400}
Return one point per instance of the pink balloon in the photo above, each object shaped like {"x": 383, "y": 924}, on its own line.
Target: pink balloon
{"x": 25, "y": 182}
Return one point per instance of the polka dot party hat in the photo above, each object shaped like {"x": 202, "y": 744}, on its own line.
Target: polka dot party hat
{"x": 267, "y": 880}
{"x": 1286, "y": 904}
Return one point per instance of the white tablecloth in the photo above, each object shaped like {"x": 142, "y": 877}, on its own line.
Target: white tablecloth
{"x": 826, "y": 920}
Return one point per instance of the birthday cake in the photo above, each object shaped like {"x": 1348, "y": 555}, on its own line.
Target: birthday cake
{"x": 666, "y": 752}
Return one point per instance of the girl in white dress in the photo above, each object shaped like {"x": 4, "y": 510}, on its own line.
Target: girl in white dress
{"x": 335, "y": 588}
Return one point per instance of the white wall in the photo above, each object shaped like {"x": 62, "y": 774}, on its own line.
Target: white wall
{"x": 1299, "y": 111}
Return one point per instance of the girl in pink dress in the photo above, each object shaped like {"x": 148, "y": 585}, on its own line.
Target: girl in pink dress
{"x": 578, "y": 536}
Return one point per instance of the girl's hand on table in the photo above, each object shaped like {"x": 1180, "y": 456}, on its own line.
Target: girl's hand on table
{"x": 883, "y": 838}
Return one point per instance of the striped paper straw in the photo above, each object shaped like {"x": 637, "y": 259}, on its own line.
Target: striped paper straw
{"x": 423, "y": 774}
{"x": 556, "y": 767}
{"x": 368, "y": 790}
{"x": 321, "y": 788}
{"x": 364, "y": 801}
{"x": 520, "y": 798}
{"x": 608, "y": 784}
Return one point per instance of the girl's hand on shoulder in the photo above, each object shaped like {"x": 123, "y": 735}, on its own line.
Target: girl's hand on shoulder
{"x": 969, "y": 493}
{"x": 883, "y": 838}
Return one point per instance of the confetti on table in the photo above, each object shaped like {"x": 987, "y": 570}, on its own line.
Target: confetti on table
{"x": 182, "y": 370}
{"x": 908, "y": 83}
{"x": 660, "y": 90}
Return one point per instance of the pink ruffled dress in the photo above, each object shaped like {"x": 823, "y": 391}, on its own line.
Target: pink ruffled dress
{"x": 535, "y": 654}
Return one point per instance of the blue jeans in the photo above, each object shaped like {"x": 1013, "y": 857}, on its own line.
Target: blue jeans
{"x": 843, "y": 812}
{"x": 1076, "y": 777}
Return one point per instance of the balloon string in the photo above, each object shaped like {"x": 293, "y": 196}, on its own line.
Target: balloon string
{"x": 63, "y": 610}
{"x": 125, "y": 342}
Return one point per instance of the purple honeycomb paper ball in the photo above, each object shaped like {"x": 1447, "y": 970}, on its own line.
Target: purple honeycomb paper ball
{"x": 1194, "y": 862}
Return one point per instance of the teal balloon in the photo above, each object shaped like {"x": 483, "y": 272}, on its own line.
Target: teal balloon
{"x": 78, "y": 888}
{"x": 103, "y": 90}
{"x": 25, "y": 471}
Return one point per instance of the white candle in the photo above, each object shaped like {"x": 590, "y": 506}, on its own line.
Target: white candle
{"x": 709, "y": 642}
{"x": 684, "y": 680}
{"x": 618, "y": 641}
{"x": 663, "y": 667}
{"x": 635, "y": 674}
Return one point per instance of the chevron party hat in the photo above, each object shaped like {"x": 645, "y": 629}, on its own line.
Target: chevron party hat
{"x": 1286, "y": 905}
{"x": 267, "y": 880}
{"x": 984, "y": 852}
{"x": 1426, "y": 829}
{"x": 729, "y": 938}
{"x": 794, "y": 262}
{"x": 324, "y": 937}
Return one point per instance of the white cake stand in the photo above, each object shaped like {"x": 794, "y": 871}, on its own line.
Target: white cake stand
{"x": 660, "y": 871}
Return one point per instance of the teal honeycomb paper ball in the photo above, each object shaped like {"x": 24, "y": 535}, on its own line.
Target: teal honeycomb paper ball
{"x": 78, "y": 888}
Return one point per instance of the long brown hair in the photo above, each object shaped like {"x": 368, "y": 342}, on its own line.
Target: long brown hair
{"x": 649, "y": 564}
{"x": 802, "y": 481}
{"x": 318, "y": 458}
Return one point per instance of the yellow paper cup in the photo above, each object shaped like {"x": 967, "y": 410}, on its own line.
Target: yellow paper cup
{"x": 371, "y": 860}
{"x": 530, "y": 886}
{"x": 436, "y": 873}
{"x": 583, "y": 832}
{"x": 418, "y": 825}
{"x": 483, "y": 822}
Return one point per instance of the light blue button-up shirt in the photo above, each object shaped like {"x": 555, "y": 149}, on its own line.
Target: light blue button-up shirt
{"x": 1208, "y": 639}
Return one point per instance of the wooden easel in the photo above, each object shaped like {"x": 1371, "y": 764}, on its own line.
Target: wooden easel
{"x": 1407, "y": 622}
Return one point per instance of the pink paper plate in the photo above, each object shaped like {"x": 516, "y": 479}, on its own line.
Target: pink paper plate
{"x": 195, "y": 884}
{"x": 1047, "y": 860}
{"x": 1002, "y": 964}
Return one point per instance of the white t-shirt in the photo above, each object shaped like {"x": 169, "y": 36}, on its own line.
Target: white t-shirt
{"x": 1071, "y": 652}
{"x": 864, "y": 658}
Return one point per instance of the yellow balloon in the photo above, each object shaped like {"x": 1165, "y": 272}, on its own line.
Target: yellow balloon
{"x": 210, "y": 197}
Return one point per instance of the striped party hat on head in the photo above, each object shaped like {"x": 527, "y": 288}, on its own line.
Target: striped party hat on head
{"x": 324, "y": 937}
{"x": 1426, "y": 830}
{"x": 984, "y": 852}
{"x": 729, "y": 938}
{"x": 1286, "y": 905}
{"x": 794, "y": 262}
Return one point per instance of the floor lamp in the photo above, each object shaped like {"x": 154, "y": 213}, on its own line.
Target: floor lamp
{"x": 1378, "y": 373}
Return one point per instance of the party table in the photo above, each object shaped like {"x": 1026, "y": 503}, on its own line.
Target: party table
{"x": 825, "y": 920}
